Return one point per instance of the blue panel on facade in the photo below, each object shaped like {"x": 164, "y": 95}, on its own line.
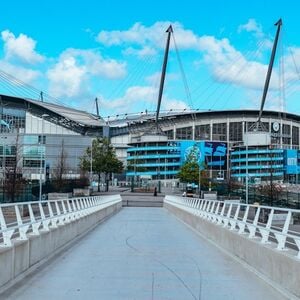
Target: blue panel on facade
{"x": 291, "y": 157}
{"x": 213, "y": 154}
{"x": 187, "y": 146}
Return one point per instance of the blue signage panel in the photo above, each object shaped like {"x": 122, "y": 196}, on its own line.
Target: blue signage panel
{"x": 291, "y": 161}
{"x": 187, "y": 146}
{"x": 216, "y": 154}
{"x": 213, "y": 154}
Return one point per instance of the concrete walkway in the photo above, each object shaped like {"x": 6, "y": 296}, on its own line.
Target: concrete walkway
{"x": 143, "y": 253}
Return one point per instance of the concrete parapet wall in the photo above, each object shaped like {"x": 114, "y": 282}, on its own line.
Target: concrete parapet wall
{"x": 279, "y": 268}
{"x": 25, "y": 256}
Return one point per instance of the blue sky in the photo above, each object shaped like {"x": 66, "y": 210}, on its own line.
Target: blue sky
{"x": 113, "y": 50}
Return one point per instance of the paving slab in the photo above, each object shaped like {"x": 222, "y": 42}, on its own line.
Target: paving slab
{"x": 143, "y": 253}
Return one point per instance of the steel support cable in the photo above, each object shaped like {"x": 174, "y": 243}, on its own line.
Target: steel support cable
{"x": 289, "y": 87}
{"x": 240, "y": 74}
{"x": 292, "y": 55}
{"x": 8, "y": 86}
{"x": 30, "y": 91}
{"x": 247, "y": 58}
{"x": 15, "y": 85}
{"x": 135, "y": 74}
{"x": 282, "y": 77}
{"x": 243, "y": 75}
{"x": 184, "y": 79}
{"x": 20, "y": 85}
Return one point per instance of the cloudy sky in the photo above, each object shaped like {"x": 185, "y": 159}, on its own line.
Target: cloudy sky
{"x": 113, "y": 50}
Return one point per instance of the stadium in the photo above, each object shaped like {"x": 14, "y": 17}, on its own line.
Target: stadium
{"x": 33, "y": 134}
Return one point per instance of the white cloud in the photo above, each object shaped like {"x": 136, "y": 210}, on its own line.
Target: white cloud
{"x": 97, "y": 65}
{"x": 66, "y": 78}
{"x": 154, "y": 79}
{"x": 229, "y": 65}
{"x": 173, "y": 104}
{"x": 134, "y": 96}
{"x": 140, "y": 98}
{"x": 226, "y": 63}
{"x": 21, "y": 47}
{"x": 141, "y": 53}
{"x": 152, "y": 36}
{"x": 252, "y": 26}
{"x": 76, "y": 67}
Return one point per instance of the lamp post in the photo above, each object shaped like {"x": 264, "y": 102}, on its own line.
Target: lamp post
{"x": 199, "y": 183}
{"x": 247, "y": 171}
{"x": 3, "y": 163}
{"x": 41, "y": 156}
{"x": 271, "y": 174}
{"x": 91, "y": 165}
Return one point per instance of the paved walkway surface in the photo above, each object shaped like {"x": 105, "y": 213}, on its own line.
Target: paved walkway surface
{"x": 143, "y": 253}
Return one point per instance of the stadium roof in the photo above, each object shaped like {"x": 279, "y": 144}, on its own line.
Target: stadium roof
{"x": 79, "y": 116}
{"x": 73, "y": 119}
{"x": 122, "y": 120}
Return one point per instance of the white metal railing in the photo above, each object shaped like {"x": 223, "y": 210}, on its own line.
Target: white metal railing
{"x": 17, "y": 220}
{"x": 269, "y": 224}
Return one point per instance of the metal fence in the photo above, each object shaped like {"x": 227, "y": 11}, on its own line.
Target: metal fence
{"x": 283, "y": 199}
{"x": 19, "y": 219}
{"x": 270, "y": 224}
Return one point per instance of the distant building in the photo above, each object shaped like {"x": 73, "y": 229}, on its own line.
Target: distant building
{"x": 228, "y": 127}
{"x": 34, "y": 132}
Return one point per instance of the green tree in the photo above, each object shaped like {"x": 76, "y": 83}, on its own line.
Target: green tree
{"x": 189, "y": 171}
{"x": 60, "y": 168}
{"x": 104, "y": 160}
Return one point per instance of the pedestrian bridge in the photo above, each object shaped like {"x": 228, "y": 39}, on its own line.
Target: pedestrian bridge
{"x": 92, "y": 248}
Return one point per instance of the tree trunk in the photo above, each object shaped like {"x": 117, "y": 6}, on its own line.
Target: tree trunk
{"x": 99, "y": 178}
{"x": 107, "y": 182}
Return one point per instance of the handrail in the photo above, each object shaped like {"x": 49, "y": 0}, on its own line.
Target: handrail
{"x": 255, "y": 221}
{"x": 43, "y": 215}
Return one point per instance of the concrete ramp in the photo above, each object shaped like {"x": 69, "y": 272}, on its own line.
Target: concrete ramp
{"x": 142, "y": 200}
{"x": 143, "y": 253}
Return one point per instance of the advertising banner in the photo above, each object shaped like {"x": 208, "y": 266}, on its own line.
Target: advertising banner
{"x": 291, "y": 163}
{"x": 213, "y": 154}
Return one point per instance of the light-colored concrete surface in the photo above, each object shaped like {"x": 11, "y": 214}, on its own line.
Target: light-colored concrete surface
{"x": 143, "y": 253}
{"x": 280, "y": 268}
{"x": 25, "y": 256}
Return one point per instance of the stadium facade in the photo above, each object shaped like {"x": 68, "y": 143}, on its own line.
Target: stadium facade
{"x": 35, "y": 132}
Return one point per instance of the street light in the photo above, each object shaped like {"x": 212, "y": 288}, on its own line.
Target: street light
{"x": 91, "y": 165}
{"x": 41, "y": 155}
{"x": 199, "y": 184}
{"x": 3, "y": 138}
{"x": 247, "y": 171}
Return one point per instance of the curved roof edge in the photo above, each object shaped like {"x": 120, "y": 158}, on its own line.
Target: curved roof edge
{"x": 203, "y": 114}
{"x": 80, "y": 117}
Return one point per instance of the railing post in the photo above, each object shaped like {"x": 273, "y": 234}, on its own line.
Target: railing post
{"x": 226, "y": 220}
{"x": 59, "y": 214}
{"x": 220, "y": 217}
{"x": 252, "y": 227}
{"x": 7, "y": 233}
{"x": 242, "y": 224}
{"x": 45, "y": 221}
{"x": 281, "y": 236}
{"x": 234, "y": 220}
{"x": 266, "y": 231}
{"x": 35, "y": 224}
{"x": 22, "y": 228}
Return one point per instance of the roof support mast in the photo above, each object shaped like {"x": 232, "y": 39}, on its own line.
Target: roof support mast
{"x": 269, "y": 73}
{"x": 97, "y": 107}
{"x": 163, "y": 74}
